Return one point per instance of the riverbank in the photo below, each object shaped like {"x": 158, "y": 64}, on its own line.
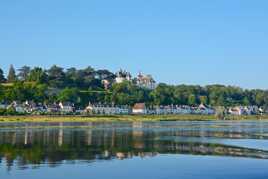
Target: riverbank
{"x": 123, "y": 118}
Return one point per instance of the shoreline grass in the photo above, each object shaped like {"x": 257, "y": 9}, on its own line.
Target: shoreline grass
{"x": 127, "y": 118}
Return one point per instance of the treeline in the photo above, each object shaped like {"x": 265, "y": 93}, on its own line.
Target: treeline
{"x": 81, "y": 86}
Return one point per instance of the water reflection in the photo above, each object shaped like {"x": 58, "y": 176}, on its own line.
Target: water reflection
{"x": 34, "y": 144}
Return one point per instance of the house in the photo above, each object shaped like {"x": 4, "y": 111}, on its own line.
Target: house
{"x": 236, "y": 111}
{"x": 145, "y": 81}
{"x": 30, "y": 106}
{"x": 106, "y": 84}
{"x": 52, "y": 108}
{"x": 18, "y": 107}
{"x": 122, "y": 76}
{"x": 139, "y": 108}
{"x": 89, "y": 108}
{"x": 3, "y": 106}
{"x": 106, "y": 109}
{"x": 261, "y": 110}
{"x": 204, "y": 109}
{"x": 66, "y": 107}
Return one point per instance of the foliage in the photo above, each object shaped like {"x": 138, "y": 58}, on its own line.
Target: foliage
{"x": 69, "y": 95}
{"x": 24, "y": 73}
{"x": 56, "y": 76}
{"x": 37, "y": 75}
{"x": 11, "y": 74}
{"x": 2, "y": 77}
{"x": 81, "y": 86}
{"x": 128, "y": 94}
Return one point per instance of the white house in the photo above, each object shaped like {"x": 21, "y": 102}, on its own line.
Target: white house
{"x": 203, "y": 109}
{"x": 139, "y": 108}
{"x": 18, "y": 107}
{"x": 106, "y": 84}
{"x": 107, "y": 109}
{"x": 66, "y": 107}
{"x": 145, "y": 81}
{"x": 3, "y": 106}
{"x": 236, "y": 111}
{"x": 122, "y": 76}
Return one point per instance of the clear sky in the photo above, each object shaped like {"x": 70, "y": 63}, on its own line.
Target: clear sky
{"x": 191, "y": 41}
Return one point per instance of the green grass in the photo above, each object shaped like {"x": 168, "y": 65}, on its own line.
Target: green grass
{"x": 122, "y": 118}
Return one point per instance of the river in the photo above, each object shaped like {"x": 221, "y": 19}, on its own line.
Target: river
{"x": 131, "y": 150}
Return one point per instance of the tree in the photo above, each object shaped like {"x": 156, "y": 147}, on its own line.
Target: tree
{"x": 56, "y": 76}
{"x": 24, "y": 73}
{"x": 69, "y": 95}
{"x": 2, "y": 93}
{"x": 11, "y": 75}
{"x": 39, "y": 93}
{"x": 105, "y": 75}
{"x": 72, "y": 77}
{"x": 192, "y": 100}
{"x": 38, "y": 75}
{"x": 259, "y": 98}
{"x": 2, "y": 77}
{"x": 163, "y": 95}
{"x": 88, "y": 76}
{"x": 128, "y": 94}
{"x": 203, "y": 99}
{"x": 16, "y": 92}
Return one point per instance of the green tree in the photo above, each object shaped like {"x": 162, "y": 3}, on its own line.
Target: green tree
{"x": 69, "y": 95}
{"x": 259, "y": 98}
{"x": 203, "y": 99}
{"x": 56, "y": 76}
{"x": 2, "y": 93}
{"x": 88, "y": 78}
{"x": 163, "y": 95}
{"x": 192, "y": 100}
{"x": 105, "y": 75}
{"x": 38, "y": 75}
{"x": 72, "y": 77}
{"x": 2, "y": 77}
{"x": 11, "y": 75}
{"x": 16, "y": 92}
{"x": 24, "y": 73}
{"x": 40, "y": 93}
{"x": 127, "y": 94}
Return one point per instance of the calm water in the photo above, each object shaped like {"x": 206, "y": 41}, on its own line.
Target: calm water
{"x": 163, "y": 150}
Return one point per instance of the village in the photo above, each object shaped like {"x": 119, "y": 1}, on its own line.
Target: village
{"x": 142, "y": 81}
{"x": 67, "y": 108}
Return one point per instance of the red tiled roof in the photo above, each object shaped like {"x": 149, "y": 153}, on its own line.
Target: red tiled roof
{"x": 139, "y": 106}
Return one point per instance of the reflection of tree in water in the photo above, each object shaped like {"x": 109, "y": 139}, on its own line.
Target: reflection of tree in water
{"x": 53, "y": 146}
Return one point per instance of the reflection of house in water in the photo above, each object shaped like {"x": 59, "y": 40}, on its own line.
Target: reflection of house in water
{"x": 112, "y": 141}
{"x": 26, "y": 135}
{"x": 88, "y": 137}
{"x": 137, "y": 134}
{"x": 60, "y": 137}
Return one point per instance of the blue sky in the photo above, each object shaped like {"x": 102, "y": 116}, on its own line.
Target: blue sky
{"x": 191, "y": 42}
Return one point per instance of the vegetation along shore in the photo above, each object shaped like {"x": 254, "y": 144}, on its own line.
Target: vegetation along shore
{"x": 126, "y": 118}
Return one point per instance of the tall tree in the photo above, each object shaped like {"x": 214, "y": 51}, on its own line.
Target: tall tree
{"x": 69, "y": 95}
{"x": 105, "y": 75}
{"x": 24, "y": 73}
{"x": 11, "y": 75}
{"x": 88, "y": 75}
{"x": 56, "y": 76}
{"x": 163, "y": 95}
{"x": 38, "y": 75}
{"x": 1, "y": 93}
{"x": 2, "y": 77}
